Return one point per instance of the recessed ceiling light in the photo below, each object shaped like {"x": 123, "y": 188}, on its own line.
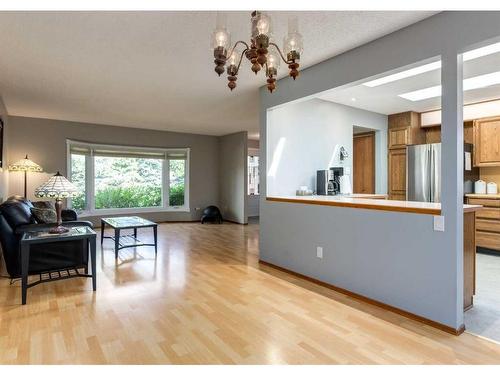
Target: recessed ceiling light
{"x": 480, "y": 52}
{"x": 472, "y": 83}
{"x": 467, "y": 56}
{"x": 427, "y": 93}
{"x": 405, "y": 74}
{"x": 353, "y": 99}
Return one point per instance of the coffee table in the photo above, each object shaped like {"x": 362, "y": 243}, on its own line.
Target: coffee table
{"x": 128, "y": 222}
{"x": 41, "y": 237}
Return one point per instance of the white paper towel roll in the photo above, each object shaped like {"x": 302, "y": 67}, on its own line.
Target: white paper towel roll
{"x": 345, "y": 185}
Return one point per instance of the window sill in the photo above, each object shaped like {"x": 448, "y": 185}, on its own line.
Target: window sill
{"x": 130, "y": 211}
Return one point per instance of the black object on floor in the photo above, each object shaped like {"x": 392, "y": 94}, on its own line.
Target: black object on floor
{"x": 211, "y": 214}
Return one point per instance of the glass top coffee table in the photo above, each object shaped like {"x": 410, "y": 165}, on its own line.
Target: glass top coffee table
{"x": 128, "y": 222}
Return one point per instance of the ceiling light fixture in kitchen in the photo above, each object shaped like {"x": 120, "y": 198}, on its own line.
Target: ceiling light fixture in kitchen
{"x": 472, "y": 83}
{"x": 257, "y": 50}
{"x": 467, "y": 56}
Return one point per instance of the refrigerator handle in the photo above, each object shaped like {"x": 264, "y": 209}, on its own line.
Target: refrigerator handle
{"x": 435, "y": 183}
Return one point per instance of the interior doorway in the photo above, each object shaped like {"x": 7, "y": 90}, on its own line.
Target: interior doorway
{"x": 363, "y": 162}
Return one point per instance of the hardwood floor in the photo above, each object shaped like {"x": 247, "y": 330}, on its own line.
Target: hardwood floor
{"x": 206, "y": 299}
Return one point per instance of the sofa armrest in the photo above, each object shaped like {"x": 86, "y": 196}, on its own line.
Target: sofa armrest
{"x": 42, "y": 227}
{"x": 69, "y": 215}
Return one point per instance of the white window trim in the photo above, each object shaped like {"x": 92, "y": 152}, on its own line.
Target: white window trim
{"x": 89, "y": 182}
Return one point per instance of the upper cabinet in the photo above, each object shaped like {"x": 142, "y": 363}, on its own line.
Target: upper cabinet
{"x": 433, "y": 133}
{"x": 404, "y": 129}
{"x": 487, "y": 142}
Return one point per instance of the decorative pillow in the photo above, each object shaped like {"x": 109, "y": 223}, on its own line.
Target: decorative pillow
{"x": 44, "y": 204}
{"x": 44, "y": 215}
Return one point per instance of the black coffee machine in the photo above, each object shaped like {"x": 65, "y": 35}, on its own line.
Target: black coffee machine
{"x": 336, "y": 173}
{"x": 328, "y": 181}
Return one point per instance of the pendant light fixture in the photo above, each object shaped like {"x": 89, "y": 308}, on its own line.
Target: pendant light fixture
{"x": 260, "y": 51}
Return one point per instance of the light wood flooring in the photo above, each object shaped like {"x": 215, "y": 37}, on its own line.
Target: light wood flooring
{"x": 205, "y": 299}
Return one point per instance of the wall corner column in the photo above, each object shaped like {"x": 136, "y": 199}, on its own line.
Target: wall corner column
{"x": 452, "y": 170}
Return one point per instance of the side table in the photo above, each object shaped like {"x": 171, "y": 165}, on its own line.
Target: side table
{"x": 40, "y": 237}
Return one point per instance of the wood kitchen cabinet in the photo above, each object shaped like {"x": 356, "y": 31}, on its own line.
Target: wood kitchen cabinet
{"x": 397, "y": 174}
{"x": 487, "y": 220}
{"x": 487, "y": 142}
{"x": 433, "y": 133}
{"x": 404, "y": 129}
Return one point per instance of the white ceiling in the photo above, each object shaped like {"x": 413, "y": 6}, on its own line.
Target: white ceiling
{"x": 384, "y": 99}
{"x": 155, "y": 69}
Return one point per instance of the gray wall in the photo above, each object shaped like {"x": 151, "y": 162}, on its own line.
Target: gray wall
{"x": 45, "y": 141}
{"x": 312, "y": 132}
{"x": 233, "y": 177}
{"x": 395, "y": 258}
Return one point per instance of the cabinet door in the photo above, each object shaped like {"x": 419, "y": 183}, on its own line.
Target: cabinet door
{"x": 487, "y": 142}
{"x": 398, "y": 138}
{"x": 397, "y": 174}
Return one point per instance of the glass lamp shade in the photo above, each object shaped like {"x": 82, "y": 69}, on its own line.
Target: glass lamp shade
{"x": 234, "y": 58}
{"x": 25, "y": 165}
{"x": 261, "y": 25}
{"x": 293, "y": 44}
{"x": 57, "y": 187}
{"x": 273, "y": 61}
{"x": 221, "y": 38}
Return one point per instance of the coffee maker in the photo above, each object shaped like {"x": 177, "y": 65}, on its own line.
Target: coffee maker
{"x": 328, "y": 181}
{"x": 337, "y": 172}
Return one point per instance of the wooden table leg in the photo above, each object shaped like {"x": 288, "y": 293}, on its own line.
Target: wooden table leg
{"x": 25, "y": 260}
{"x": 93, "y": 262}
{"x": 155, "y": 234}
{"x": 117, "y": 242}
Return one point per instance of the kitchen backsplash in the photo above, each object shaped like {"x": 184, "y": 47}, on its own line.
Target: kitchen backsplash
{"x": 490, "y": 174}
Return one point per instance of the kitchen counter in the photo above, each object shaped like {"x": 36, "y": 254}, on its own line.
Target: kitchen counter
{"x": 368, "y": 201}
{"x": 483, "y": 196}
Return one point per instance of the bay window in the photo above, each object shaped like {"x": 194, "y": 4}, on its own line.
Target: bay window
{"x": 132, "y": 179}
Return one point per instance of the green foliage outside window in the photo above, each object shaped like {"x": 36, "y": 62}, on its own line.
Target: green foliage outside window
{"x": 123, "y": 182}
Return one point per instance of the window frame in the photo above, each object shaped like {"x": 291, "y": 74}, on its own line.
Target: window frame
{"x": 253, "y": 153}
{"x": 90, "y": 181}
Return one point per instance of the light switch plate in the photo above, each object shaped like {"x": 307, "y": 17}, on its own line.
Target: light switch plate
{"x": 319, "y": 252}
{"x": 439, "y": 223}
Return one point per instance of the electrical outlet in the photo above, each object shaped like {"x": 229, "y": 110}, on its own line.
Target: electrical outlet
{"x": 439, "y": 223}
{"x": 319, "y": 252}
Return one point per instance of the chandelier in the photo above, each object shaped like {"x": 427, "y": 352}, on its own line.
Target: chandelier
{"x": 258, "y": 51}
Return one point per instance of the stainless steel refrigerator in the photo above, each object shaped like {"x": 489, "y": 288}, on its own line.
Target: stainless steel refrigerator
{"x": 423, "y": 172}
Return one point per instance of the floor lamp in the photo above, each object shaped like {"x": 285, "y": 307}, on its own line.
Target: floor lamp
{"x": 25, "y": 165}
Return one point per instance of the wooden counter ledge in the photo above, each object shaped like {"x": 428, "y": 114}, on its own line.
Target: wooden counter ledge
{"x": 374, "y": 203}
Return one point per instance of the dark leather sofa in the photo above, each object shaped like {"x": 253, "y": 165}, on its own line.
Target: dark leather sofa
{"x": 16, "y": 218}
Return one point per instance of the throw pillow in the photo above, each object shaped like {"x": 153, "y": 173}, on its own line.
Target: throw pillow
{"x": 44, "y": 215}
{"x": 44, "y": 204}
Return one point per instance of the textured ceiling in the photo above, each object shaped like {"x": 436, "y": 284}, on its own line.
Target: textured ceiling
{"x": 154, "y": 69}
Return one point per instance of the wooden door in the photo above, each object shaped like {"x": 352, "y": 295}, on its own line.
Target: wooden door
{"x": 487, "y": 142}
{"x": 397, "y": 174}
{"x": 364, "y": 163}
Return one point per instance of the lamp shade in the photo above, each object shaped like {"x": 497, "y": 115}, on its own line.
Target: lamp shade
{"x": 57, "y": 187}
{"x": 25, "y": 165}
